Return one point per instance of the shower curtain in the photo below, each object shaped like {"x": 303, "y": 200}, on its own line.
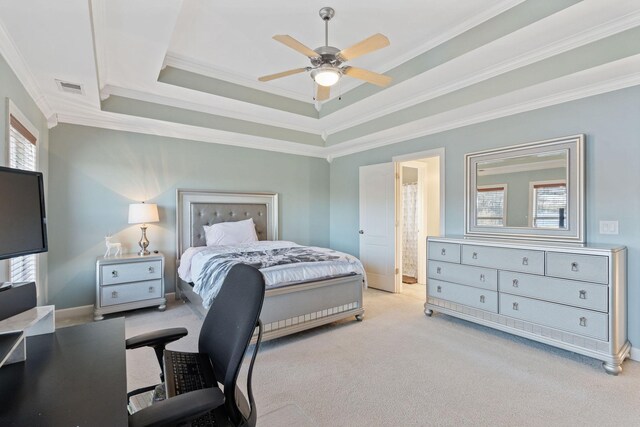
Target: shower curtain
{"x": 410, "y": 230}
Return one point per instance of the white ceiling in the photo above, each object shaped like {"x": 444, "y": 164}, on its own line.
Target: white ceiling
{"x": 119, "y": 47}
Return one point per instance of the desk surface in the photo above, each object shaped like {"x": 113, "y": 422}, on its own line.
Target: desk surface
{"x": 73, "y": 377}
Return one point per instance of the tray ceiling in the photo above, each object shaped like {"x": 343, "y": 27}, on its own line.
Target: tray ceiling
{"x": 189, "y": 69}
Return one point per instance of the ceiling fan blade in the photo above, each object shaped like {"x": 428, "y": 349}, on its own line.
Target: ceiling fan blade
{"x": 296, "y": 45}
{"x": 368, "y": 76}
{"x": 375, "y": 42}
{"x": 323, "y": 93}
{"x": 282, "y": 74}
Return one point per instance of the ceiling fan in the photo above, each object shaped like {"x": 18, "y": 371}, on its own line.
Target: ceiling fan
{"x": 326, "y": 61}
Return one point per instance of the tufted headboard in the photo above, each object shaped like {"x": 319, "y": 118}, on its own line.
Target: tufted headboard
{"x": 197, "y": 208}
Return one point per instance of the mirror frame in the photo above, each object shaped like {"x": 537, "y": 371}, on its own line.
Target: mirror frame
{"x": 575, "y": 191}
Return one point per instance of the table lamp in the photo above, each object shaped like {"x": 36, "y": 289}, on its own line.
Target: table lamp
{"x": 143, "y": 213}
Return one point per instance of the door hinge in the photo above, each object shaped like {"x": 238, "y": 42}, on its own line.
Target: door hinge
{"x": 397, "y": 271}
{"x": 397, "y": 176}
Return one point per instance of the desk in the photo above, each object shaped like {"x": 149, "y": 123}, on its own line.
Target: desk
{"x": 73, "y": 377}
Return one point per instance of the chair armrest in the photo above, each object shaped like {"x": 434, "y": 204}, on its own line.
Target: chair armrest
{"x": 150, "y": 339}
{"x": 179, "y": 408}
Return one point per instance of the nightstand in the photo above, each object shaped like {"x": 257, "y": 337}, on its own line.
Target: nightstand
{"x": 127, "y": 282}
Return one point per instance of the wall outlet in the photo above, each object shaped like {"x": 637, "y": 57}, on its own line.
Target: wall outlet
{"x": 608, "y": 227}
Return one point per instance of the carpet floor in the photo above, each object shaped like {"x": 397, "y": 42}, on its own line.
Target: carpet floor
{"x": 399, "y": 367}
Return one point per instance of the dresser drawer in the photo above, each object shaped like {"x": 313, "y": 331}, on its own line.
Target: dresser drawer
{"x": 575, "y": 320}
{"x": 570, "y": 292}
{"x": 524, "y": 260}
{"x": 139, "y": 291}
{"x": 466, "y": 295}
{"x": 478, "y": 277}
{"x": 591, "y": 268}
{"x": 449, "y": 252}
{"x": 131, "y": 272}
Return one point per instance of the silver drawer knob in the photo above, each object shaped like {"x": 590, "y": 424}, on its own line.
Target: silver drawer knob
{"x": 574, "y": 266}
{"x": 443, "y": 252}
{"x": 114, "y": 294}
{"x": 482, "y": 298}
{"x": 474, "y": 255}
{"x": 583, "y": 321}
{"x": 583, "y": 294}
{"x": 151, "y": 269}
{"x": 150, "y": 289}
{"x": 439, "y": 270}
{"x": 515, "y": 306}
{"x": 525, "y": 261}
{"x": 114, "y": 274}
{"x": 515, "y": 283}
{"x": 439, "y": 289}
{"x": 482, "y": 278}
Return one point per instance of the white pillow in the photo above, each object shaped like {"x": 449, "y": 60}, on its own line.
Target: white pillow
{"x": 230, "y": 233}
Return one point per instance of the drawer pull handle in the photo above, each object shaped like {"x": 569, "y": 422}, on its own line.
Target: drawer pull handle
{"x": 114, "y": 294}
{"x": 515, "y": 306}
{"x": 114, "y": 274}
{"x": 515, "y": 283}
{"x": 482, "y": 298}
{"x": 443, "y": 252}
{"x": 151, "y": 269}
{"x": 439, "y": 289}
{"x": 583, "y": 294}
{"x": 525, "y": 261}
{"x": 482, "y": 278}
{"x": 474, "y": 255}
{"x": 150, "y": 289}
{"x": 574, "y": 266}
{"x": 439, "y": 270}
{"x": 583, "y": 321}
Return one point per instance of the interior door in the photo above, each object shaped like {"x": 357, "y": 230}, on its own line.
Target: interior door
{"x": 377, "y": 225}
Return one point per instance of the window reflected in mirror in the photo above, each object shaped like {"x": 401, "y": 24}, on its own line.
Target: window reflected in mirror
{"x": 523, "y": 191}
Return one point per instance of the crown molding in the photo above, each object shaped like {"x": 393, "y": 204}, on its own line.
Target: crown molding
{"x": 414, "y": 85}
{"x": 449, "y": 120}
{"x": 261, "y": 115}
{"x": 121, "y": 122}
{"x": 14, "y": 58}
{"x": 176, "y": 60}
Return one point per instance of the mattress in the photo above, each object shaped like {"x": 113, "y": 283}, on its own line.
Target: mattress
{"x": 325, "y": 263}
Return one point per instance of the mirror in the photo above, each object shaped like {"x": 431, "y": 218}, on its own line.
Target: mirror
{"x": 530, "y": 191}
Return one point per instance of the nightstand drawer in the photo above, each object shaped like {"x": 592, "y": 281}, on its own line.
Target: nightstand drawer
{"x": 131, "y": 272}
{"x": 120, "y": 294}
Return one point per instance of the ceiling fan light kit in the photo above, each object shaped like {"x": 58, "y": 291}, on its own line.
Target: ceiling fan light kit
{"x": 326, "y": 61}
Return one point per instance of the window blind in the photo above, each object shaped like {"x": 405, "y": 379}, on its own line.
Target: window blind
{"x": 550, "y": 205}
{"x": 22, "y": 155}
{"x": 490, "y": 206}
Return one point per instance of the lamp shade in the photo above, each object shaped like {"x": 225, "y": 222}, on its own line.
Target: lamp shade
{"x": 142, "y": 213}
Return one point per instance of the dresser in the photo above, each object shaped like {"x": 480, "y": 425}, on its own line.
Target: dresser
{"x": 127, "y": 282}
{"x": 569, "y": 296}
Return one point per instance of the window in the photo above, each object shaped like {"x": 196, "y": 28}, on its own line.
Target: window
{"x": 549, "y": 201}
{"x": 22, "y": 155}
{"x": 490, "y": 205}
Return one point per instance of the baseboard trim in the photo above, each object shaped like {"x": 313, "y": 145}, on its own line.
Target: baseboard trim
{"x": 87, "y": 310}
{"x": 634, "y": 354}
{"x": 73, "y": 312}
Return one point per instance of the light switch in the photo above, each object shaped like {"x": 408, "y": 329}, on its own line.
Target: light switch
{"x": 608, "y": 227}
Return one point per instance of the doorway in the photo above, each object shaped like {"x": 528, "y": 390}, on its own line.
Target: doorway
{"x": 419, "y": 214}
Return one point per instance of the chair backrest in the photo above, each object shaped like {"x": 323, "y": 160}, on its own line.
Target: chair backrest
{"x": 229, "y": 325}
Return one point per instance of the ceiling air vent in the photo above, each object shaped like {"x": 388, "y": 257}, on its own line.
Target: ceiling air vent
{"x": 69, "y": 87}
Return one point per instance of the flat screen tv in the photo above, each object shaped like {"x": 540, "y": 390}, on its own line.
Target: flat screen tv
{"x": 23, "y": 223}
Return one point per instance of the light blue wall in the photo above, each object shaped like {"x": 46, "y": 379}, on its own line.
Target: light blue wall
{"x": 95, "y": 174}
{"x": 611, "y": 123}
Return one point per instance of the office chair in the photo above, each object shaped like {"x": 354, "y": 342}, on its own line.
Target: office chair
{"x": 225, "y": 335}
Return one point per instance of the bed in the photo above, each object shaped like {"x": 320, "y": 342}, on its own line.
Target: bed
{"x": 286, "y": 309}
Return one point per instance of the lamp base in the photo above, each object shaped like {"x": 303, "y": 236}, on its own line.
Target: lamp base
{"x": 144, "y": 242}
